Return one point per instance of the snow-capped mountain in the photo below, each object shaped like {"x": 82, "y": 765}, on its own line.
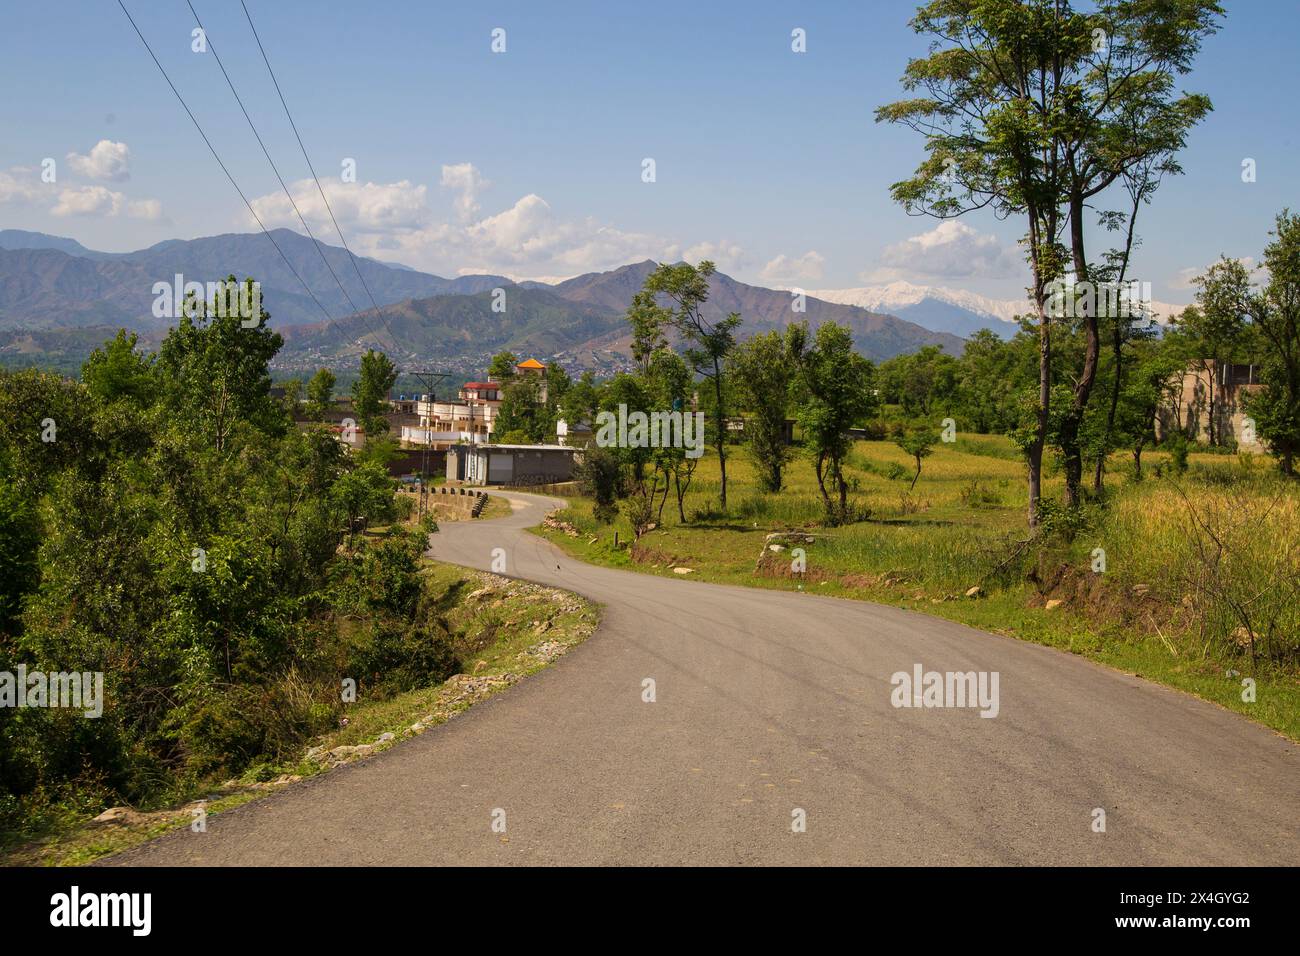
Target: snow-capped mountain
{"x": 933, "y": 307}
{"x": 947, "y": 310}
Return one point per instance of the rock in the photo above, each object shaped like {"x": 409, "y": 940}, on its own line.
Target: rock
{"x": 1053, "y": 604}
{"x": 360, "y": 750}
{"x": 542, "y": 628}
{"x": 114, "y": 815}
{"x": 416, "y": 728}
{"x": 776, "y": 547}
{"x": 975, "y": 592}
{"x": 1241, "y": 637}
{"x": 385, "y": 737}
{"x": 683, "y": 570}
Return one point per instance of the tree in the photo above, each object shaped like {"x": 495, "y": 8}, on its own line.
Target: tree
{"x": 1275, "y": 314}
{"x": 836, "y": 392}
{"x": 1033, "y": 109}
{"x": 116, "y": 370}
{"x": 918, "y": 443}
{"x": 370, "y": 391}
{"x": 502, "y": 368}
{"x": 1214, "y": 328}
{"x": 1154, "y": 372}
{"x": 992, "y": 373}
{"x": 523, "y": 414}
{"x": 580, "y": 401}
{"x": 708, "y": 342}
{"x": 320, "y": 393}
{"x": 648, "y": 320}
{"x": 599, "y": 475}
{"x": 365, "y": 494}
{"x": 213, "y": 373}
{"x": 668, "y": 385}
{"x": 923, "y": 381}
{"x": 763, "y": 370}
{"x": 20, "y": 536}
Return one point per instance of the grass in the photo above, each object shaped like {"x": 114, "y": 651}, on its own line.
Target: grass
{"x": 507, "y": 629}
{"x": 1156, "y": 610}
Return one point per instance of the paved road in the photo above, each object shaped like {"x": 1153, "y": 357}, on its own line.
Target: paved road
{"x": 769, "y": 701}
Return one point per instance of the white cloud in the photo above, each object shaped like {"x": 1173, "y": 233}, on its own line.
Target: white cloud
{"x": 787, "y": 269}
{"x": 469, "y": 182}
{"x": 726, "y": 255}
{"x": 394, "y": 222}
{"x": 107, "y": 161}
{"x": 369, "y": 207}
{"x": 1185, "y": 278}
{"x": 20, "y": 188}
{"x": 88, "y": 201}
{"x": 951, "y": 249}
{"x": 150, "y": 209}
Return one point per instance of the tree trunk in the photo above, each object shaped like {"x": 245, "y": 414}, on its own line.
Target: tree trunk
{"x": 1092, "y": 349}
{"x": 722, "y": 432}
{"x": 1035, "y": 452}
{"x": 821, "y": 482}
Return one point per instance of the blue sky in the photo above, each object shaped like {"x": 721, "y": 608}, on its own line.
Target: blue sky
{"x": 529, "y": 162}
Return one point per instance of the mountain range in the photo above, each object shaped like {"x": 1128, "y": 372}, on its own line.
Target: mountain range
{"x": 948, "y": 310}
{"x": 56, "y": 296}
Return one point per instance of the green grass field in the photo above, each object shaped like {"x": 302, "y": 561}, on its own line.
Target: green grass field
{"x": 1151, "y": 611}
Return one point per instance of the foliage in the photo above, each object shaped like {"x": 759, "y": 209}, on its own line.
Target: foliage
{"x": 370, "y": 391}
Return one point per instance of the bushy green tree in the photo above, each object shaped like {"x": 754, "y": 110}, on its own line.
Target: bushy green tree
{"x": 836, "y": 393}
{"x": 370, "y": 391}
{"x": 320, "y": 393}
{"x": 763, "y": 370}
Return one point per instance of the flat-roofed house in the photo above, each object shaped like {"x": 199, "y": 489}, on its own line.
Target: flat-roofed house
{"x": 510, "y": 464}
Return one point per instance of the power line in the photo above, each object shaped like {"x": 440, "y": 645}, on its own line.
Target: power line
{"x": 217, "y": 157}
{"x": 212, "y": 46}
{"x": 312, "y": 168}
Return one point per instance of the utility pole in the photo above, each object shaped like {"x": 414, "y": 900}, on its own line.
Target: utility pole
{"x": 429, "y": 380}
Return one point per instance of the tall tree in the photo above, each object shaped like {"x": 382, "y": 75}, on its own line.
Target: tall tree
{"x": 370, "y": 391}
{"x": 835, "y": 390}
{"x": 320, "y": 393}
{"x": 1275, "y": 314}
{"x": 1215, "y": 327}
{"x": 762, "y": 370}
{"x": 708, "y": 342}
{"x": 213, "y": 370}
{"x": 1033, "y": 109}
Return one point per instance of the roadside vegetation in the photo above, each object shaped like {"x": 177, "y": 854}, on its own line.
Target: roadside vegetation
{"x": 237, "y": 582}
{"x": 503, "y": 631}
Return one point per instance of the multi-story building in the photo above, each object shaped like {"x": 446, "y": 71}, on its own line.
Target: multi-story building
{"x": 469, "y": 419}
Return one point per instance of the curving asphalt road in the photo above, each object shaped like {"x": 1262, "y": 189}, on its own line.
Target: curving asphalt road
{"x": 768, "y": 702}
